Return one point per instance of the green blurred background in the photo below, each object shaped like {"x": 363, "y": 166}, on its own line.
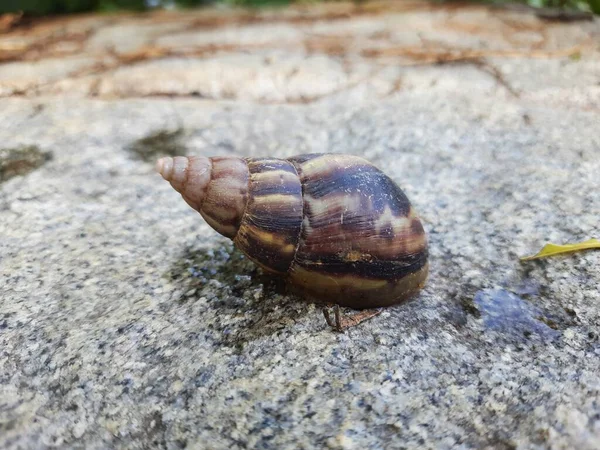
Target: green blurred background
{"x": 45, "y": 7}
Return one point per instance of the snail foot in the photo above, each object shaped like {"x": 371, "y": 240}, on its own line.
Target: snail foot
{"x": 340, "y": 323}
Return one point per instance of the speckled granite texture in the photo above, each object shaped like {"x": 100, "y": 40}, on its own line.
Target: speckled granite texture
{"x": 126, "y": 322}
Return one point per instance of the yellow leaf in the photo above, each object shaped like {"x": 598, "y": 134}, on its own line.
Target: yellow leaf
{"x": 554, "y": 249}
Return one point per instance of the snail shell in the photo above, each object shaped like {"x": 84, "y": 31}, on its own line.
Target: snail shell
{"x": 336, "y": 226}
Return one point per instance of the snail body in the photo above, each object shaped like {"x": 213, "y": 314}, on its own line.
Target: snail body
{"x": 336, "y": 226}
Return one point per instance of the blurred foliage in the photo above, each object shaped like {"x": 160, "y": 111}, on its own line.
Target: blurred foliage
{"x": 44, "y": 7}
{"x": 41, "y": 7}
{"x": 577, "y": 5}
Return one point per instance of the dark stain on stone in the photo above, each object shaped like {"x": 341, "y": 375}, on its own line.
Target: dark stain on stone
{"x": 461, "y": 306}
{"x": 499, "y": 441}
{"x": 548, "y": 321}
{"x": 234, "y": 286}
{"x": 571, "y": 312}
{"x": 36, "y": 110}
{"x": 159, "y": 143}
{"x": 197, "y": 267}
{"x": 21, "y": 161}
{"x": 8, "y": 425}
{"x": 469, "y": 306}
{"x": 154, "y": 430}
{"x": 226, "y": 265}
{"x": 180, "y": 443}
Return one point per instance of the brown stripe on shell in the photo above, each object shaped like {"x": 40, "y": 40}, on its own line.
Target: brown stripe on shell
{"x": 299, "y": 159}
{"x": 277, "y": 212}
{"x": 330, "y": 241}
{"x": 270, "y": 228}
{"x": 362, "y": 264}
{"x": 227, "y": 230}
{"x": 354, "y": 291}
{"x": 264, "y": 165}
{"x": 228, "y": 166}
{"x": 219, "y": 159}
{"x": 317, "y": 164}
{"x": 270, "y": 250}
{"x": 338, "y": 175}
{"x": 274, "y": 182}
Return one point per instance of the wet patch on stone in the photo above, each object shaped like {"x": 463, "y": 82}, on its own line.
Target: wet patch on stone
{"x": 158, "y": 144}
{"x": 507, "y": 313}
{"x": 233, "y": 285}
{"x": 21, "y": 161}
{"x": 225, "y": 265}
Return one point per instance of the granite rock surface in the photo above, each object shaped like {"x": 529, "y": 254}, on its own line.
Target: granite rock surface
{"x": 126, "y": 322}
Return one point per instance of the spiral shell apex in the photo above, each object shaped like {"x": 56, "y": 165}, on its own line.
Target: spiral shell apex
{"x": 336, "y": 226}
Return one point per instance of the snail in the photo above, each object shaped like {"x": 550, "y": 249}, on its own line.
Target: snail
{"x": 338, "y": 228}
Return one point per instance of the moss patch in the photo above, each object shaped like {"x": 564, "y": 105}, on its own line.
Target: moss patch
{"x": 159, "y": 143}
{"x": 21, "y": 161}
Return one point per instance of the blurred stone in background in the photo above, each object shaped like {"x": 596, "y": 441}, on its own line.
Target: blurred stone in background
{"x": 41, "y": 7}
{"x": 126, "y": 322}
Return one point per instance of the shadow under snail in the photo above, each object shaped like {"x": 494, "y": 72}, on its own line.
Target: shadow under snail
{"x": 338, "y": 228}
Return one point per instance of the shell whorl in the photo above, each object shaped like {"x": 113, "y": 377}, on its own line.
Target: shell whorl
{"x": 270, "y": 229}
{"x": 362, "y": 244}
{"x": 215, "y": 187}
